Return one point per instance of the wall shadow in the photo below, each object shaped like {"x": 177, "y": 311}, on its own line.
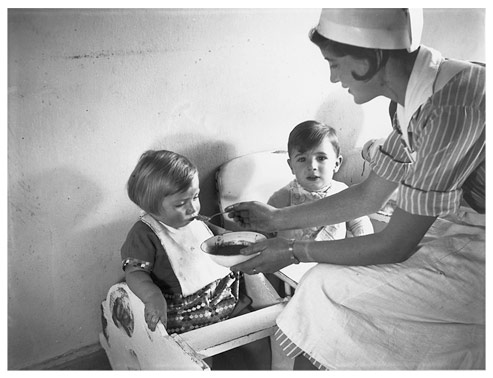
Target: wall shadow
{"x": 339, "y": 111}
{"x": 54, "y": 269}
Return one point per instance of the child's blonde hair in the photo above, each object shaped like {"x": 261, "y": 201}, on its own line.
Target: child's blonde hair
{"x": 159, "y": 174}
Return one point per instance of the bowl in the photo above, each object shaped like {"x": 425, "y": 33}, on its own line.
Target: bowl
{"x": 225, "y": 249}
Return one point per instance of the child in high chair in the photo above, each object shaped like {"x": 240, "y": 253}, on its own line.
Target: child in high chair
{"x": 314, "y": 158}
{"x": 164, "y": 266}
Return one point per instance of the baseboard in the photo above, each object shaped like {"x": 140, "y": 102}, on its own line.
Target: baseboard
{"x": 92, "y": 357}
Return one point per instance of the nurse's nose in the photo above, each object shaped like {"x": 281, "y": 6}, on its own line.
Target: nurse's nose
{"x": 334, "y": 78}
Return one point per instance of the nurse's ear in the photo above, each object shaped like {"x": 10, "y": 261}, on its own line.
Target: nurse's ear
{"x": 290, "y": 167}
{"x": 338, "y": 163}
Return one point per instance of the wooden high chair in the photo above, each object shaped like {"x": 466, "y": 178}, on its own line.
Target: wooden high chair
{"x": 130, "y": 345}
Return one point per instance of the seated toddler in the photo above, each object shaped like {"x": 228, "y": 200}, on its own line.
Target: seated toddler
{"x": 164, "y": 266}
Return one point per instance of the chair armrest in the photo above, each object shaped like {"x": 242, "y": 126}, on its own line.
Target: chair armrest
{"x": 261, "y": 291}
{"x": 231, "y": 333}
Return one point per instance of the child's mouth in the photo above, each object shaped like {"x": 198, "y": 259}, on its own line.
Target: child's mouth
{"x": 312, "y": 178}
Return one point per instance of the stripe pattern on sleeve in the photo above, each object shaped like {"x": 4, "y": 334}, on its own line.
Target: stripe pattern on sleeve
{"x": 447, "y": 134}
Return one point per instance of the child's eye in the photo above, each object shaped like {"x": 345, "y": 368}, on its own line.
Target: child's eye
{"x": 322, "y": 158}
{"x": 301, "y": 160}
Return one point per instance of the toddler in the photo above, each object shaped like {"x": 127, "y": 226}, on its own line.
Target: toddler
{"x": 314, "y": 157}
{"x": 164, "y": 266}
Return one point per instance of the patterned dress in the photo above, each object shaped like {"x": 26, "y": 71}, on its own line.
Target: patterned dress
{"x": 198, "y": 291}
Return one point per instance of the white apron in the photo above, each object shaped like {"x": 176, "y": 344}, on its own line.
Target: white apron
{"x": 425, "y": 313}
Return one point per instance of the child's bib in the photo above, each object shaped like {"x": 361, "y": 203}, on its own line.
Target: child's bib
{"x": 193, "y": 268}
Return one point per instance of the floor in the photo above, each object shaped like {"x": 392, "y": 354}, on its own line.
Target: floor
{"x": 94, "y": 361}
{"x": 232, "y": 360}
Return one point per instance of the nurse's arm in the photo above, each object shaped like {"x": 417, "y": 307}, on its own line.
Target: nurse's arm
{"x": 394, "y": 244}
{"x": 361, "y": 199}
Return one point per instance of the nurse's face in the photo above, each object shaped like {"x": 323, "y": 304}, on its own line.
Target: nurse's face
{"x": 342, "y": 69}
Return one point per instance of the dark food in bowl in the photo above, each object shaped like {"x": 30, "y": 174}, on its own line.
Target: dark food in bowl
{"x": 227, "y": 249}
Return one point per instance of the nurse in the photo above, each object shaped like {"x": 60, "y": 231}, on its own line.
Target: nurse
{"x": 412, "y": 295}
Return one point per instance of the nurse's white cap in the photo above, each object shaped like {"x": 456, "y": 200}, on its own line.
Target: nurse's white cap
{"x": 377, "y": 28}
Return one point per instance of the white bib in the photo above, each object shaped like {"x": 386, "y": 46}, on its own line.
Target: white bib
{"x": 193, "y": 268}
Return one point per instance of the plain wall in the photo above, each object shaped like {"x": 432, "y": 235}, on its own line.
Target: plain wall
{"x": 90, "y": 90}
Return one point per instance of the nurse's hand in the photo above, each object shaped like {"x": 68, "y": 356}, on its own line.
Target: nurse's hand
{"x": 273, "y": 254}
{"x": 253, "y": 215}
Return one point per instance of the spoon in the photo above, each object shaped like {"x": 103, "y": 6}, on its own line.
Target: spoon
{"x": 205, "y": 218}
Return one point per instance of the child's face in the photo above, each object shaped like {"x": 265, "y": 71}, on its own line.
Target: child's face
{"x": 315, "y": 168}
{"x": 179, "y": 209}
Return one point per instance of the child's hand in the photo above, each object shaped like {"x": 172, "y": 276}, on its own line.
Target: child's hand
{"x": 155, "y": 311}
